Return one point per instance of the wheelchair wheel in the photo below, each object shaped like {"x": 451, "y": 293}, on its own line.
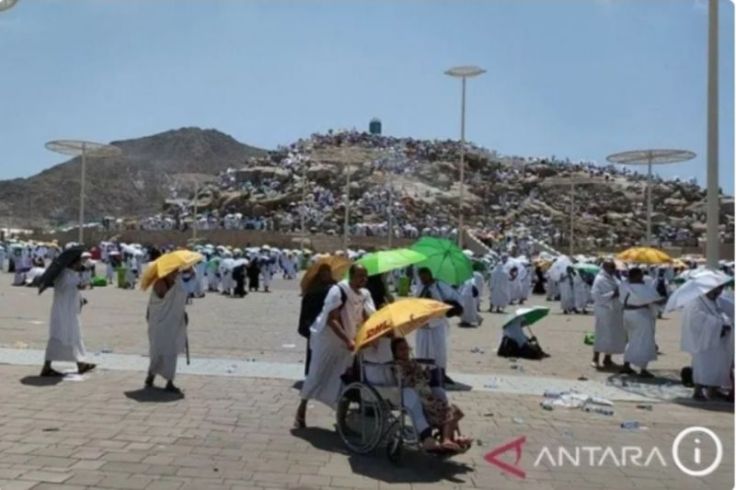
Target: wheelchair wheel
{"x": 360, "y": 418}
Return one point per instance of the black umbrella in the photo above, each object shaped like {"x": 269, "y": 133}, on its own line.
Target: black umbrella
{"x": 64, "y": 260}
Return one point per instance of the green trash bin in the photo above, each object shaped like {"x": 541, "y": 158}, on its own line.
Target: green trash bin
{"x": 121, "y": 272}
{"x": 403, "y": 286}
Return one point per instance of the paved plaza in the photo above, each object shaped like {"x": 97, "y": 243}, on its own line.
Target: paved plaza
{"x": 232, "y": 429}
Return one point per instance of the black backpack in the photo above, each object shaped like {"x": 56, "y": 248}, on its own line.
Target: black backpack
{"x": 312, "y": 306}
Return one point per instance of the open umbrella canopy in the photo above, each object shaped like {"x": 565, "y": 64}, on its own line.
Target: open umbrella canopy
{"x": 559, "y": 267}
{"x": 644, "y": 255}
{"x": 678, "y": 264}
{"x": 529, "y": 315}
{"x": 168, "y": 263}
{"x": 402, "y": 316}
{"x": 445, "y": 259}
{"x": 589, "y": 268}
{"x": 388, "y": 260}
{"x": 64, "y": 260}
{"x": 696, "y": 286}
{"x": 338, "y": 264}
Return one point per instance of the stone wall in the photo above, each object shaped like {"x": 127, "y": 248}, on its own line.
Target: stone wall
{"x": 235, "y": 238}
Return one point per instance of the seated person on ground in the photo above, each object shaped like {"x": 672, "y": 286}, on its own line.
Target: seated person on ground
{"x": 515, "y": 342}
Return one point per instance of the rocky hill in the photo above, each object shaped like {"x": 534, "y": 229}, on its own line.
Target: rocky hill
{"x": 418, "y": 179}
{"x": 152, "y": 186}
{"x": 134, "y": 184}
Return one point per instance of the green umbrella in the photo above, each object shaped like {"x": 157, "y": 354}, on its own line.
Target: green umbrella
{"x": 589, "y": 268}
{"x": 529, "y": 315}
{"x": 388, "y": 260}
{"x": 446, "y": 261}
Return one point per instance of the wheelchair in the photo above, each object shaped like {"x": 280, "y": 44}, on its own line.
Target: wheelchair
{"x": 371, "y": 415}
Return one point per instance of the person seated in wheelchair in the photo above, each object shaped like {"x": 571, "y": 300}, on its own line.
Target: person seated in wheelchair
{"x": 515, "y": 343}
{"x": 428, "y": 405}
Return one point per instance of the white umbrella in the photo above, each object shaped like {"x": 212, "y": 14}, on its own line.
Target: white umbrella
{"x": 129, "y": 249}
{"x": 228, "y": 264}
{"x": 559, "y": 268}
{"x": 690, "y": 273}
{"x": 697, "y": 286}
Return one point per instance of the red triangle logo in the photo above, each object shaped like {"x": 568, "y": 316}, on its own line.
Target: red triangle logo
{"x": 516, "y": 445}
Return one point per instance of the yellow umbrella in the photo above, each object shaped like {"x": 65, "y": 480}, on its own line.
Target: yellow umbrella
{"x": 644, "y": 255}
{"x": 679, "y": 264}
{"x": 168, "y": 263}
{"x": 543, "y": 264}
{"x": 403, "y": 316}
{"x": 620, "y": 266}
{"x": 338, "y": 264}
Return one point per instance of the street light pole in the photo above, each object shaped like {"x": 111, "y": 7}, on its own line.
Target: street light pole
{"x": 194, "y": 214}
{"x": 302, "y": 216}
{"x": 81, "y": 193}
{"x": 346, "y": 229}
{"x": 390, "y": 216}
{"x": 650, "y": 157}
{"x": 463, "y": 72}
{"x": 82, "y": 149}
{"x": 461, "y": 214}
{"x": 712, "y": 238}
{"x": 572, "y": 217}
{"x": 649, "y": 200}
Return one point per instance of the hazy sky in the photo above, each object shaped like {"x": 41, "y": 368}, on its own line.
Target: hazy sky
{"x": 573, "y": 78}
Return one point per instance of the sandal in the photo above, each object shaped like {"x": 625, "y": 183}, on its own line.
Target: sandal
{"x": 172, "y": 389}
{"x": 85, "y": 367}
{"x": 47, "y": 373}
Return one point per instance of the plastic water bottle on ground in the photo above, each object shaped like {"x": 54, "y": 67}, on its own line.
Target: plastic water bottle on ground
{"x": 630, "y": 425}
{"x": 598, "y": 409}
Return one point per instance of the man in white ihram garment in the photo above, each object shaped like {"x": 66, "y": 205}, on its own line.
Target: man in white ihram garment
{"x": 167, "y": 328}
{"x": 551, "y": 288}
{"x": 470, "y": 295}
{"x": 581, "y": 293}
{"x": 226, "y": 273}
{"x": 567, "y": 293}
{"x": 267, "y": 267}
{"x": 707, "y": 334}
{"x": 347, "y": 305}
{"x": 610, "y": 337}
{"x": 526, "y": 283}
{"x": 641, "y": 304}
{"x": 500, "y": 287}
{"x": 431, "y": 340}
{"x": 65, "y": 332}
